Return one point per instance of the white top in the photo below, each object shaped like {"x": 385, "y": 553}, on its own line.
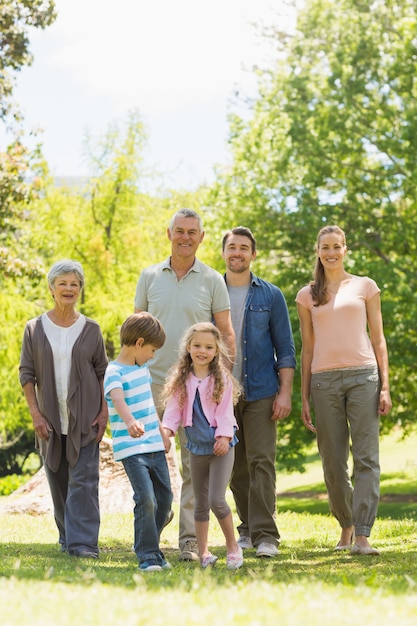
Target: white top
{"x": 62, "y": 341}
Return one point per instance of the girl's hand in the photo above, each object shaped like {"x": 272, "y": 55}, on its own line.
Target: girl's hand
{"x": 166, "y": 439}
{"x": 221, "y": 447}
{"x": 136, "y": 429}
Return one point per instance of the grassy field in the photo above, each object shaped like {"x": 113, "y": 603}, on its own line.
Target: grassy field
{"x": 307, "y": 584}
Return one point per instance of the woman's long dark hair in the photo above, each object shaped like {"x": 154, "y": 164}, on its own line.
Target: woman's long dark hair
{"x": 318, "y": 286}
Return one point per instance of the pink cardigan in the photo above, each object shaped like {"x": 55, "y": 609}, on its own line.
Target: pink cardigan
{"x": 221, "y": 415}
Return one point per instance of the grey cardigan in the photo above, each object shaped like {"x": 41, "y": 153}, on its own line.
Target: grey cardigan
{"x": 89, "y": 362}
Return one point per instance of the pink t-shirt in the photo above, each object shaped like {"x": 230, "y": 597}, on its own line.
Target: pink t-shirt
{"x": 340, "y": 326}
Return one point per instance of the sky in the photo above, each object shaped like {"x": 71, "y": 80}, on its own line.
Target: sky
{"x": 177, "y": 62}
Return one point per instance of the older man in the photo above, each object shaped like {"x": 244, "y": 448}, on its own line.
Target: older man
{"x": 264, "y": 364}
{"x": 182, "y": 291}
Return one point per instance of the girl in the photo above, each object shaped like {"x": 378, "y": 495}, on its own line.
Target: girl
{"x": 346, "y": 373}
{"x": 199, "y": 395}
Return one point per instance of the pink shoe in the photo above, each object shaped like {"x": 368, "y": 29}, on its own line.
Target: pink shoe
{"x": 210, "y": 559}
{"x": 234, "y": 560}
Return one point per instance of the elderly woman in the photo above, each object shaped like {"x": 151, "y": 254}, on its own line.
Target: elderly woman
{"x": 62, "y": 367}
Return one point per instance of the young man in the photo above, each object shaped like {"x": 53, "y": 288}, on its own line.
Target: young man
{"x": 139, "y": 440}
{"x": 180, "y": 292}
{"x": 264, "y": 364}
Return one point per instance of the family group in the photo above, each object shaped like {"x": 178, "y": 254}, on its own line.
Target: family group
{"x": 209, "y": 358}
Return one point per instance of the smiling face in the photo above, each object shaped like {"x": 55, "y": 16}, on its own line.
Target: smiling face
{"x": 202, "y": 349}
{"x": 331, "y": 250}
{"x": 238, "y": 253}
{"x": 185, "y": 237}
{"x": 66, "y": 290}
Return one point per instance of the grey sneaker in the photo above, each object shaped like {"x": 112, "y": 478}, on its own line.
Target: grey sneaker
{"x": 267, "y": 549}
{"x": 244, "y": 542}
{"x": 189, "y": 552}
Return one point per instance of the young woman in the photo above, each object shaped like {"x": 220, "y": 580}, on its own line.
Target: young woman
{"x": 345, "y": 372}
{"x": 200, "y": 394}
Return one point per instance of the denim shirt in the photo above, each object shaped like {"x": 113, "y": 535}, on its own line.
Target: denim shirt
{"x": 267, "y": 338}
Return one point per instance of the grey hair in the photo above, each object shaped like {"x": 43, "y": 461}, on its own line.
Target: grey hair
{"x": 66, "y": 266}
{"x": 186, "y": 213}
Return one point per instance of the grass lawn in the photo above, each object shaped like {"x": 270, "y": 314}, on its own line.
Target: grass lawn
{"x": 307, "y": 584}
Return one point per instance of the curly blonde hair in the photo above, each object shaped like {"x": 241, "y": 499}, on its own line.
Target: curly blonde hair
{"x": 179, "y": 373}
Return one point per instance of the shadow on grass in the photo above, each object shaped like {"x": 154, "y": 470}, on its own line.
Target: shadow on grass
{"x": 319, "y": 506}
{"x": 398, "y": 498}
{"x": 305, "y": 560}
{"x": 302, "y": 562}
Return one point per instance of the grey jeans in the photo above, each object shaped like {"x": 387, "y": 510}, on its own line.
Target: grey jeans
{"x": 210, "y": 476}
{"x": 74, "y": 492}
{"x": 346, "y": 406}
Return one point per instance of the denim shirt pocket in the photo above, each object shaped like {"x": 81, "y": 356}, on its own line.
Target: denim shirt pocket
{"x": 260, "y": 315}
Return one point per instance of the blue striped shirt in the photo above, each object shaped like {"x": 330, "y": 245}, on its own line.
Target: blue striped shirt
{"x": 135, "y": 381}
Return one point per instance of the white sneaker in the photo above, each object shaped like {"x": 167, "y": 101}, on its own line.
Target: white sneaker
{"x": 234, "y": 560}
{"x": 245, "y": 542}
{"x": 267, "y": 549}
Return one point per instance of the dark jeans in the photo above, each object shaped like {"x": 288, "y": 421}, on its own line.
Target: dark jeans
{"x": 74, "y": 492}
{"x": 149, "y": 477}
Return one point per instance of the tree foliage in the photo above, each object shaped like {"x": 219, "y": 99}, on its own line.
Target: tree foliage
{"x": 21, "y": 171}
{"x": 110, "y": 226}
{"x": 332, "y": 139}
{"x": 21, "y": 180}
{"x": 16, "y": 18}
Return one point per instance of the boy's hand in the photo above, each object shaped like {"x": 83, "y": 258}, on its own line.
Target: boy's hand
{"x": 136, "y": 429}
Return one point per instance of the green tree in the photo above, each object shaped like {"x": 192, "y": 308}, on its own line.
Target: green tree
{"x": 16, "y": 18}
{"x": 111, "y": 226}
{"x": 21, "y": 171}
{"x": 21, "y": 174}
{"x": 331, "y": 138}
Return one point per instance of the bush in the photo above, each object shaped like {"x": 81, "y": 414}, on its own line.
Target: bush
{"x": 10, "y": 483}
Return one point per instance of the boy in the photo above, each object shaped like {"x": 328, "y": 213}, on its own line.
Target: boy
{"x": 139, "y": 440}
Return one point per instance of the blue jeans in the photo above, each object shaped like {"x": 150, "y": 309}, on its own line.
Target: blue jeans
{"x": 149, "y": 476}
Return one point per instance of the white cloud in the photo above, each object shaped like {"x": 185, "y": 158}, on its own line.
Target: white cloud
{"x": 157, "y": 54}
{"x": 176, "y": 61}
